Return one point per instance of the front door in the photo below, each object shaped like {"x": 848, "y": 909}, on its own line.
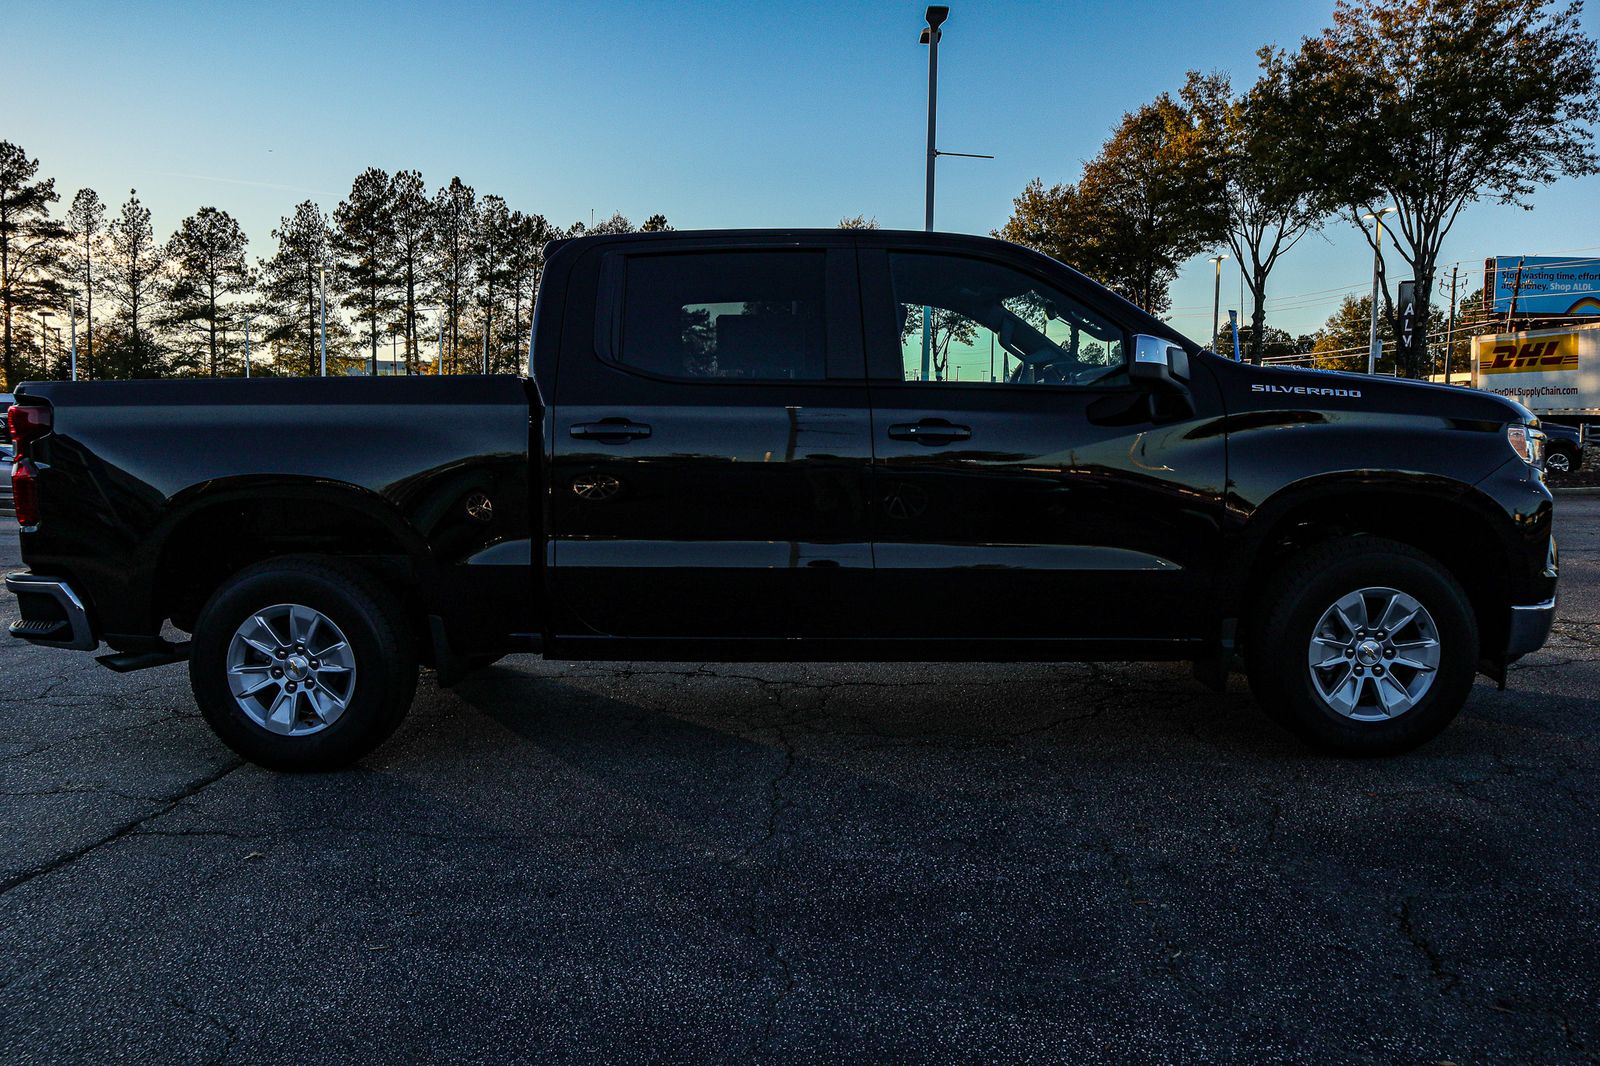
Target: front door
{"x": 1027, "y": 488}
{"x": 711, "y": 446}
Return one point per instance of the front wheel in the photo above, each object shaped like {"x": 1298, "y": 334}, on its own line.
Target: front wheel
{"x": 1562, "y": 460}
{"x": 1363, "y": 646}
{"x": 302, "y": 664}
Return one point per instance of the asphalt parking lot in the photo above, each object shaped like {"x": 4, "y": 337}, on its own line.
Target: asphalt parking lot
{"x": 732, "y": 862}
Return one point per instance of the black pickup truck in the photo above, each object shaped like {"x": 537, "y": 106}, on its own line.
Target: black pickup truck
{"x": 820, "y": 445}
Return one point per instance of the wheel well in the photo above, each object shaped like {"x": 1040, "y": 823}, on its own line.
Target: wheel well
{"x": 1452, "y": 533}
{"x": 211, "y": 544}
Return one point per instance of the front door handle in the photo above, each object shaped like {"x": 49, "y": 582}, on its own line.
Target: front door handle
{"x": 611, "y": 431}
{"x": 930, "y": 431}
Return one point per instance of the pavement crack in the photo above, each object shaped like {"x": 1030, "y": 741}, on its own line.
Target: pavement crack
{"x": 1447, "y": 979}
{"x": 67, "y": 859}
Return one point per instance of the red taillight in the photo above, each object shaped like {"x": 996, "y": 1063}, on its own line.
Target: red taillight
{"x": 25, "y": 492}
{"x": 27, "y": 423}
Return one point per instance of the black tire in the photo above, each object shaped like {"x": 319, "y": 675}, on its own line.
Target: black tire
{"x": 1285, "y": 621}
{"x": 382, "y": 645}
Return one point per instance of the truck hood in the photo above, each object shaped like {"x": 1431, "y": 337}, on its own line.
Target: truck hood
{"x": 1249, "y": 387}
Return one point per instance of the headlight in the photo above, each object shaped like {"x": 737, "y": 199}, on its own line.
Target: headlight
{"x": 1527, "y": 442}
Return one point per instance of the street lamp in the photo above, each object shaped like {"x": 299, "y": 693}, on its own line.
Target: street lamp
{"x": 1216, "y": 296}
{"x": 1377, "y": 258}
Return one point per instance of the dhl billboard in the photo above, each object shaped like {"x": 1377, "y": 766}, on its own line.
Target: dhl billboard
{"x": 1547, "y": 370}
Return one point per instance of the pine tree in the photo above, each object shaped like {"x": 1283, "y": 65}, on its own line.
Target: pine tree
{"x": 411, "y": 218}
{"x": 524, "y": 264}
{"x": 209, "y": 269}
{"x": 493, "y": 237}
{"x": 655, "y": 224}
{"x": 454, "y": 215}
{"x": 364, "y": 237}
{"x": 133, "y": 277}
{"x": 291, "y": 280}
{"x": 86, "y": 223}
{"x": 28, "y": 240}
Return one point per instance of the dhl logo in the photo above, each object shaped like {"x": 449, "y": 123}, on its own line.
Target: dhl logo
{"x": 1531, "y": 356}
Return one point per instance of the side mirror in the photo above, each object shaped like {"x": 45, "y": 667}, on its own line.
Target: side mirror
{"x": 1158, "y": 361}
{"x": 1164, "y": 367}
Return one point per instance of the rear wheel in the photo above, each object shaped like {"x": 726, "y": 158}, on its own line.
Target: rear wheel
{"x": 302, "y": 664}
{"x": 1363, "y": 646}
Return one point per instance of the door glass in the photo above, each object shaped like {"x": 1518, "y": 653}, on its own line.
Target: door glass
{"x": 753, "y": 316}
{"x": 971, "y": 321}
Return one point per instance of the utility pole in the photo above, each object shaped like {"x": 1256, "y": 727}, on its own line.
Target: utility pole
{"x": 72, "y": 310}
{"x": 1450, "y": 330}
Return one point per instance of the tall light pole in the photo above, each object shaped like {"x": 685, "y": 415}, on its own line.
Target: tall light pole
{"x": 322, "y": 298}
{"x": 1216, "y": 298}
{"x": 1373, "y": 346}
{"x": 72, "y": 310}
{"x": 248, "y": 319}
{"x": 930, "y": 37}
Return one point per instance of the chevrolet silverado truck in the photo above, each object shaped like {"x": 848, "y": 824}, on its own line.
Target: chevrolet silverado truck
{"x": 791, "y": 445}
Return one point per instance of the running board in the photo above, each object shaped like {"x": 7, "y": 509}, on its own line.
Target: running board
{"x": 124, "y": 662}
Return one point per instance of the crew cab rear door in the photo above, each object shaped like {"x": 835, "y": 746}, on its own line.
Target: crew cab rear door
{"x": 1025, "y": 488}
{"x": 711, "y": 443}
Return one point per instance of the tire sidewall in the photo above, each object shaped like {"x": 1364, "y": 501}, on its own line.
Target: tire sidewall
{"x": 365, "y": 722}
{"x": 1310, "y": 716}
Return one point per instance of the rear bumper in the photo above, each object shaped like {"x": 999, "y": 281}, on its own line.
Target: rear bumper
{"x": 1530, "y": 627}
{"x": 53, "y": 616}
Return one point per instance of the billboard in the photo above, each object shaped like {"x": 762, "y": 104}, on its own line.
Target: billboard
{"x": 1550, "y": 285}
{"x": 1547, "y": 370}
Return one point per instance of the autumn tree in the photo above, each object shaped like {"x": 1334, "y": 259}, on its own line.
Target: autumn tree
{"x": 454, "y": 216}
{"x": 1431, "y": 105}
{"x": 133, "y": 275}
{"x": 1341, "y": 344}
{"x": 364, "y": 238}
{"x": 86, "y": 223}
{"x": 411, "y": 222}
{"x": 291, "y": 279}
{"x": 28, "y": 243}
{"x": 1269, "y": 201}
{"x": 209, "y": 273}
{"x": 1144, "y": 204}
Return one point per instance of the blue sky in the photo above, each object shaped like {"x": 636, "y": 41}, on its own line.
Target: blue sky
{"x": 716, "y": 114}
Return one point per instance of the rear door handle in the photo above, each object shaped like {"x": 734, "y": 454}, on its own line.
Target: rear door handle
{"x": 610, "y": 430}
{"x": 930, "y": 431}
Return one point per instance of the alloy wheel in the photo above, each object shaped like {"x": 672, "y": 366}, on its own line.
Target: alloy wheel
{"x": 1373, "y": 654}
{"x": 291, "y": 670}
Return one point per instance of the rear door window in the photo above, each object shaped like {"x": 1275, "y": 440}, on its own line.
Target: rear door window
{"x": 734, "y": 316}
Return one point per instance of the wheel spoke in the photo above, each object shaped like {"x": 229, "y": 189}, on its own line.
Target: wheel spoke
{"x": 266, "y": 681}
{"x": 1333, "y": 660}
{"x": 280, "y": 716}
{"x": 1412, "y": 664}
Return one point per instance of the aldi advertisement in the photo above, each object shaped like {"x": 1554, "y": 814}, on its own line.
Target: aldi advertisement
{"x": 1549, "y": 371}
{"x": 1546, "y": 285}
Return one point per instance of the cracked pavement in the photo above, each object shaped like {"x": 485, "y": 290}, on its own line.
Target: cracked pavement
{"x": 575, "y": 861}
